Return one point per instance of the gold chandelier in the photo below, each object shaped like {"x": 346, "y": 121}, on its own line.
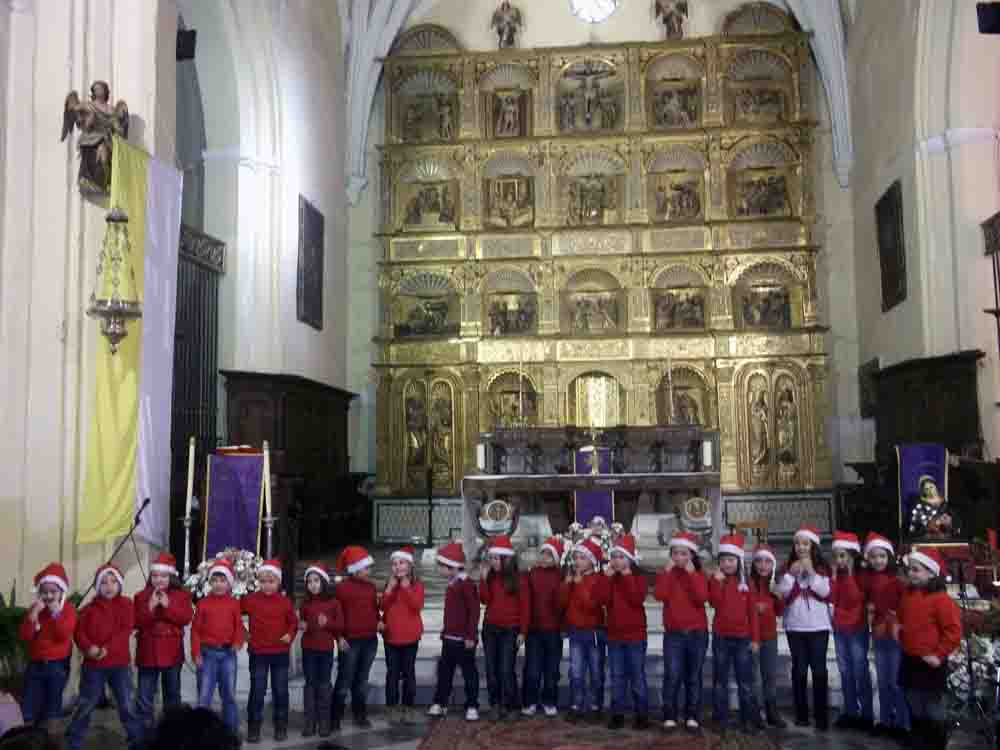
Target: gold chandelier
{"x": 115, "y": 299}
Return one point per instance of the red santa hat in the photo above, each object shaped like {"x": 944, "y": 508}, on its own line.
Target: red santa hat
{"x": 929, "y": 557}
{"x": 272, "y": 566}
{"x": 591, "y": 550}
{"x": 763, "y": 552}
{"x": 224, "y": 568}
{"x": 846, "y": 540}
{"x": 319, "y": 569}
{"x": 808, "y": 532}
{"x": 354, "y": 559}
{"x": 164, "y": 563}
{"x": 451, "y": 555}
{"x": 113, "y": 570}
{"x": 406, "y": 553}
{"x": 626, "y": 545}
{"x": 55, "y": 574}
{"x": 685, "y": 539}
{"x": 501, "y": 546}
{"x": 732, "y": 544}
{"x": 877, "y": 541}
{"x": 554, "y": 545}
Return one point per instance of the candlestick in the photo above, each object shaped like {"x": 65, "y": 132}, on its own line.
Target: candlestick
{"x": 190, "y": 479}
{"x": 266, "y": 479}
{"x": 670, "y": 388}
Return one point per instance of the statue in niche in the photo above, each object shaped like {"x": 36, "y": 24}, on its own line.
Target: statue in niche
{"x": 681, "y": 203}
{"x": 763, "y": 195}
{"x": 676, "y": 107}
{"x": 427, "y": 317}
{"x": 673, "y": 14}
{"x": 441, "y": 440}
{"x": 760, "y": 439}
{"x": 609, "y": 111}
{"x": 567, "y": 112}
{"x": 594, "y": 312}
{"x": 98, "y": 122}
{"x": 507, "y": 23}
{"x": 588, "y": 74}
{"x": 512, "y": 314}
{"x": 588, "y": 199}
{"x": 767, "y": 307}
{"x": 447, "y": 213}
{"x": 413, "y": 123}
{"x": 510, "y": 203}
{"x": 755, "y": 104}
{"x": 446, "y": 119}
{"x": 416, "y": 433}
{"x": 508, "y": 123}
{"x": 680, "y": 309}
{"x": 685, "y": 409}
{"x": 787, "y": 425}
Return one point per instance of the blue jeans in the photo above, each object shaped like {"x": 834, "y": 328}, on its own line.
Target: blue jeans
{"x": 766, "y": 665}
{"x": 92, "y": 683}
{"x": 542, "y": 657}
{"x": 401, "y": 667}
{"x": 893, "y": 711}
{"x": 170, "y": 677}
{"x": 317, "y": 667}
{"x": 628, "y": 670}
{"x": 500, "y": 650}
{"x": 260, "y": 666}
{"x": 353, "y": 667}
{"x": 587, "y": 656}
{"x": 685, "y": 658}
{"x": 855, "y": 676}
{"x": 44, "y": 682}
{"x": 734, "y": 653}
{"x": 218, "y": 667}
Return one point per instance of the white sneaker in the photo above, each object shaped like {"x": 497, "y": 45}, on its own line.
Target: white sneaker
{"x": 528, "y": 711}
{"x": 436, "y": 711}
{"x": 471, "y": 714}
{"x": 550, "y": 710}
{"x": 692, "y": 724}
{"x": 670, "y": 724}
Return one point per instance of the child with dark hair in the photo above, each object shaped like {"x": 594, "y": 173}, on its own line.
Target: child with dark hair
{"x": 321, "y": 621}
{"x": 358, "y": 645}
{"x": 930, "y": 630}
{"x": 585, "y": 631}
{"x": 769, "y": 608}
{"x": 402, "y": 627}
{"x": 186, "y": 728}
{"x": 850, "y": 633}
{"x": 544, "y": 647}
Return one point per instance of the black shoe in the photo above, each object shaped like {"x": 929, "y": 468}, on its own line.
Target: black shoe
{"x": 748, "y": 728}
{"x": 362, "y": 722}
{"x": 574, "y": 717}
{"x": 617, "y": 722}
{"x": 253, "y": 733}
{"x": 596, "y": 716}
{"x": 280, "y": 733}
{"x": 774, "y": 718}
{"x": 822, "y": 726}
{"x": 641, "y": 722}
{"x": 334, "y": 726}
{"x": 845, "y": 721}
{"x": 865, "y": 725}
{"x": 802, "y": 722}
{"x": 309, "y": 730}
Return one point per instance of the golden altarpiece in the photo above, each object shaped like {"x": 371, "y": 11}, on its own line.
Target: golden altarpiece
{"x": 596, "y": 236}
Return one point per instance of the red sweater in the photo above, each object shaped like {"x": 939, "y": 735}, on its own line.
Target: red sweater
{"x": 546, "y": 604}
{"x": 52, "y": 639}
{"x": 401, "y": 614}
{"x": 848, "y": 599}
{"x": 160, "y": 641}
{"x": 461, "y": 610}
{"x": 932, "y": 623}
{"x": 772, "y": 606}
{"x": 882, "y": 590}
{"x": 505, "y": 610}
{"x": 583, "y": 611}
{"x": 217, "y": 624}
{"x": 107, "y": 624}
{"x": 318, "y": 637}
{"x": 623, "y": 596}
{"x": 359, "y": 601}
{"x": 683, "y": 595}
{"x": 735, "y": 613}
{"x": 271, "y": 618}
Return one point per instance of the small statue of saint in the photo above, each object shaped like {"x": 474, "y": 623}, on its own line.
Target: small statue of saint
{"x": 507, "y": 23}
{"x": 98, "y": 122}
{"x": 931, "y": 516}
{"x": 446, "y": 122}
{"x": 673, "y": 14}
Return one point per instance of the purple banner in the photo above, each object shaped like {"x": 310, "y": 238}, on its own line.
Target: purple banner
{"x": 590, "y": 503}
{"x": 233, "y": 508}
{"x": 917, "y": 462}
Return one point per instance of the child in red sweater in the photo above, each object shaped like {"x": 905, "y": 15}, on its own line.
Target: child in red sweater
{"x": 162, "y": 611}
{"x": 543, "y": 649}
{"x": 850, "y": 633}
{"x": 103, "y": 632}
{"x": 622, "y": 591}
{"x": 358, "y": 599}
{"x": 769, "y": 607}
{"x": 458, "y": 635}
{"x": 273, "y": 626}
{"x": 930, "y": 630}
{"x": 505, "y": 594}
{"x": 683, "y": 589}
{"x": 321, "y": 623}
{"x": 47, "y": 628}
{"x": 402, "y": 627}
{"x": 585, "y": 631}
{"x": 735, "y": 635}
{"x": 216, "y": 635}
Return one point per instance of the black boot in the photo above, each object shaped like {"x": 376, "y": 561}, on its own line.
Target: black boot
{"x": 280, "y": 731}
{"x": 361, "y": 717}
{"x": 253, "y": 732}
{"x": 773, "y": 717}
{"x": 641, "y": 722}
{"x": 336, "y": 714}
{"x": 324, "y": 694}
{"x": 309, "y": 708}
{"x": 617, "y": 722}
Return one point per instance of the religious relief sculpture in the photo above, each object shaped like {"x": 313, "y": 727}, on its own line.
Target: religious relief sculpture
{"x": 593, "y": 312}
{"x": 428, "y": 118}
{"x": 763, "y": 194}
{"x": 511, "y": 314}
{"x": 673, "y": 14}
{"x": 766, "y": 307}
{"x": 427, "y": 317}
{"x": 506, "y": 22}
{"x": 685, "y": 408}
{"x": 591, "y": 200}
{"x": 508, "y": 107}
{"x": 98, "y": 122}
{"x": 446, "y": 119}
{"x": 509, "y": 203}
{"x": 429, "y": 206}
{"x": 676, "y": 198}
{"x": 676, "y": 106}
{"x": 759, "y": 104}
{"x": 416, "y": 436}
{"x": 759, "y": 421}
{"x": 679, "y": 309}
{"x": 786, "y": 433}
{"x": 442, "y": 422}
{"x": 584, "y": 103}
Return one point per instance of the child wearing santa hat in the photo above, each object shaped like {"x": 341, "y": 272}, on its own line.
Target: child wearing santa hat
{"x": 622, "y": 591}
{"x": 544, "y": 647}
{"x": 321, "y": 621}
{"x": 735, "y": 635}
{"x": 273, "y": 627}
{"x": 850, "y": 633}
{"x": 103, "y": 632}
{"x": 216, "y": 635}
{"x": 47, "y": 628}
{"x": 402, "y": 627}
{"x": 769, "y": 608}
{"x": 162, "y": 611}
{"x": 458, "y": 634}
{"x": 683, "y": 589}
{"x": 930, "y": 630}
{"x": 358, "y": 599}
{"x": 585, "y": 631}
{"x": 805, "y": 587}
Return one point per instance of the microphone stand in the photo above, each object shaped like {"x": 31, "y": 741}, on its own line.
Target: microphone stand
{"x": 128, "y": 537}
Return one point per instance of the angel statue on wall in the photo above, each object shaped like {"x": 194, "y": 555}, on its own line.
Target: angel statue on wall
{"x": 673, "y": 14}
{"x": 507, "y": 21}
{"x": 98, "y": 121}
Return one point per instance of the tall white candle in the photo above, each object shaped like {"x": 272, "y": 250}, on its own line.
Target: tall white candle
{"x": 190, "y": 479}
{"x": 265, "y": 477}
{"x": 706, "y": 454}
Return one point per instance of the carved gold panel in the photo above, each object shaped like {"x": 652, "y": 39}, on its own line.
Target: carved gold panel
{"x": 605, "y": 242}
{"x": 427, "y": 248}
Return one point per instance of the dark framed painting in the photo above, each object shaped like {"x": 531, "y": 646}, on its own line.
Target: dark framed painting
{"x": 868, "y": 388}
{"x": 309, "y": 297}
{"x": 891, "y": 246}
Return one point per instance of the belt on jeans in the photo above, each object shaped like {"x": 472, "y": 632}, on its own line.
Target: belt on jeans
{"x": 46, "y": 662}
{"x": 216, "y": 648}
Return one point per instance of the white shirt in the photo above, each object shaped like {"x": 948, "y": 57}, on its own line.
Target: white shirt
{"x": 806, "y": 613}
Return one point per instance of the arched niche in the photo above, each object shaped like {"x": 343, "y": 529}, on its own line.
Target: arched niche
{"x": 592, "y": 188}
{"x": 425, "y": 305}
{"x": 510, "y": 303}
{"x": 768, "y": 296}
{"x": 428, "y": 196}
{"x": 679, "y": 299}
{"x": 590, "y": 97}
{"x": 429, "y": 412}
{"x": 673, "y": 86}
{"x": 760, "y": 87}
{"x": 595, "y": 399}
{"x": 757, "y": 18}
{"x": 512, "y": 399}
{"x": 692, "y": 395}
{"x": 506, "y": 98}
{"x": 509, "y": 187}
{"x": 426, "y": 39}
{"x": 426, "y": 106}
{"x": 764, "y": 179}
{"x": 593, "y": 303}
{"x": 675, "y": 185}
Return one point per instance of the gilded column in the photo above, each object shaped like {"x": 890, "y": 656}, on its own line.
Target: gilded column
{"x": 551, "y": 401}
{"x": 383, "y": 431}
{"x": 635, "y": 118}
{"x": 823, "y": 470}
{"x": 728, "y": 403}
{"x": 716, "y": 179}
{"x": 471, "y": 383}
{"x": 469, "y": 96}
{"x": 713, "y": 83}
